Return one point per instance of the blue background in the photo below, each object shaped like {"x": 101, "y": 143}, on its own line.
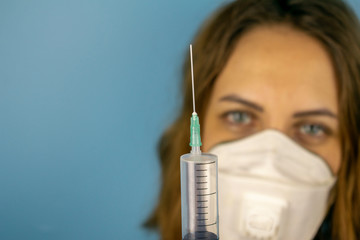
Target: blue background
{"x": 86, "y": 88}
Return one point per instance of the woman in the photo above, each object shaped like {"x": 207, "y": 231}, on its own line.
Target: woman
{"x": 274, "y": 71}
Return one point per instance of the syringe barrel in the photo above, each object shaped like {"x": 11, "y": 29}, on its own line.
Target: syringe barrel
{"x": 199, "y": 196}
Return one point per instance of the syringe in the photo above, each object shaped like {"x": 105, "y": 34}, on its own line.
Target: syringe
{"x": 199, "y": 198}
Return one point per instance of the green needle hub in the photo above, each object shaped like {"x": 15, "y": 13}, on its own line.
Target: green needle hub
{"x": 195, "y": 139}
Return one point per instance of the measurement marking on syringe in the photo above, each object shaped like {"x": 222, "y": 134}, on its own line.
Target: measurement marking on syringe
{"x": 202, "y": 201}
{"x": 201, "y": 188}
{"x": 206, "y": 225}
{"x": 201, "y": 176}
{"x": 201, "y": 170}
{"x": 202, "y": 213}
{"x": 206, "y": 194}
{"x": 204, "y": 163}
{"x": 202, "y": 219}
{"x": 200, "y": 182}
{"x": 203, "y": 207}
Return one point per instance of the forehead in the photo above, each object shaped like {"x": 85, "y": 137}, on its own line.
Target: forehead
{"x": 281, "y": 64}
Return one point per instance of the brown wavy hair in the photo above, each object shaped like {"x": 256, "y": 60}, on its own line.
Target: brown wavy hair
{"x": 332, "y": 23}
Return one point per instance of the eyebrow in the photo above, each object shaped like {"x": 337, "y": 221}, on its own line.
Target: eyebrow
{"x": 319, "y": 112}
{"x": 237, "y": 99}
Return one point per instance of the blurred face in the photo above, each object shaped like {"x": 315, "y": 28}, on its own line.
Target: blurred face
{"x": 277, "y": 78}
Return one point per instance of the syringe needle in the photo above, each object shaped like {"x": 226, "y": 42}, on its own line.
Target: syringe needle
{"x": 192, "y": 77}
{"x": 195, "y": 139}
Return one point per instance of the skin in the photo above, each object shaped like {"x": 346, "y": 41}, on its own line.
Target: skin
{"x": 277, "y": 78}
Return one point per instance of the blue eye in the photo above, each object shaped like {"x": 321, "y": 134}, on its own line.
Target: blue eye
{"x": 312, "y": 133}
{"x": 313, "y": 130}
{"x": 238, "y": 117}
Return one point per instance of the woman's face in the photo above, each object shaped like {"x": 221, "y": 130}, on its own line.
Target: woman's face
{"x": 277, "y": 78}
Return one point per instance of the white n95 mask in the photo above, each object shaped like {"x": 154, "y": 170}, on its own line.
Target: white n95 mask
{"x": 271, "y": 188}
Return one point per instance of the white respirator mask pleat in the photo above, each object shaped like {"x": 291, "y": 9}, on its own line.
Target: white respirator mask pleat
{"x": 271, "y": 188}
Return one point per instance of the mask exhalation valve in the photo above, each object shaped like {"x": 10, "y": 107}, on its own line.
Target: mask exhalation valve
{"x": 260, "y": 216}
